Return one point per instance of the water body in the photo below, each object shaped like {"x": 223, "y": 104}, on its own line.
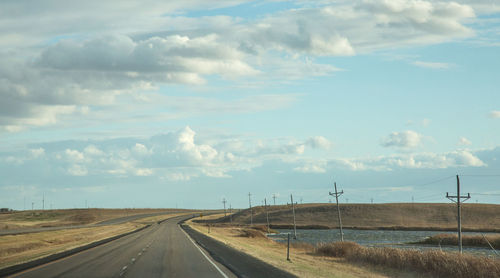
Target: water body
{"x": 374, "y": 238}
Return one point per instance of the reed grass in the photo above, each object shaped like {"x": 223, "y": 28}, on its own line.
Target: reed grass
{"x": 467, "y": 240}
{"x": 432, "y": 263}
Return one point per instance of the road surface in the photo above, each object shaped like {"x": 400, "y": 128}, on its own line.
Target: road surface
{"x": 162, "y": 250}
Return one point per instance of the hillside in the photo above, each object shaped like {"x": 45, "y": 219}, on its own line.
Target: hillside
{"x": 428, "y": 216}
{"x": 66, "y": 217}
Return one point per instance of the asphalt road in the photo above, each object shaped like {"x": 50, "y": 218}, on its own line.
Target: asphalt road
{"x": 163, "y": 250}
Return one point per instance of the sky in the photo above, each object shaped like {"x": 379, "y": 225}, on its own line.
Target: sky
{"x": 186, "y": 103}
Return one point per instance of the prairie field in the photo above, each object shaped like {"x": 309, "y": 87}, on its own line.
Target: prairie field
{"x": 66, "y": 217}
{"x": 395, "y": 216}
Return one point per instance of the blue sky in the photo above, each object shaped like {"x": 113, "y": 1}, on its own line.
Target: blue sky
{"x": 150, "y": 104}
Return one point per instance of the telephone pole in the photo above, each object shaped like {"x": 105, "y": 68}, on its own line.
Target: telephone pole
{"x": 294, "y": 225}
{"x": 459, "y": 220}
{"x": 43, "y": 201}
{"x": 274, "y": 199}
{"x": 224, "y": 202}
{"x": 337, "y": 194}
{"x": 230, "y": 214}
{"x": 250, "y": 205}
{"x": 267, "y": 214}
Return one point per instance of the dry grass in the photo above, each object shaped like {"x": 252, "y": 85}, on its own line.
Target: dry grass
{"x": 304, "y": 263}
{"x": 467, "y": 240}
{"x": 418, "y": 216}
{"x": 25, "y": 247}
{"x": 15, "y": 249}
{"x": 432, "y": 263}
{"x": 65, "y": 217}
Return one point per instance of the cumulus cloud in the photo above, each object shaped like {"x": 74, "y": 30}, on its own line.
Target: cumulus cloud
{"x": 462, "y": 141}
{"x": 454, "y": 159}
{"x": 494, "y": 114}
{"x": 317, "y": 168}
{"x": 319, "y": 142}
{"x": 432, "y": 65}
{"x": 403, "y": 139}
{"x": 99, "y": 62}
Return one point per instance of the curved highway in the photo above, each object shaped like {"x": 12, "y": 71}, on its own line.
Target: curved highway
{"x": 162, "y": 250}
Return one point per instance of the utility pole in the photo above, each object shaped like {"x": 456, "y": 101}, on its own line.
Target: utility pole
{"x": 32, "y": 205}
{"x": 250, "y": 205}
{"x": 294, "y": 225}
{"x": 274, "y": 199}
{"x": 24, "y": 206}
{"x": 459, "y": 220}
{"x": 224, "y": 202}
{"x": 230, "y": 214}
{"x": 337, "y": 194}
{"x": 43, "y": 201}
{"x": 372, "y": 200}
{"x": 267, "y": 215}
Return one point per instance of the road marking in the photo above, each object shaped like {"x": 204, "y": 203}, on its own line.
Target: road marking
{"x": 196, "y": 245}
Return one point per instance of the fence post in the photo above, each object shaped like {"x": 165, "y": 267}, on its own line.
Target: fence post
{"x": 288, "y": 248}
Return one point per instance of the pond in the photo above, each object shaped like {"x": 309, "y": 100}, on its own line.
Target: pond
{"x": 377, "y": 238}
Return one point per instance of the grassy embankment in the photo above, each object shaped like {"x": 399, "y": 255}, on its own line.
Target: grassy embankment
{"x": 65, "y": 217}
{"x": 402, "y": 216}
{"x": 15, "y": 249}
{"x": 351, "y": 259}
{"x": 428, "y": 263}
{"x": 304, "y": 261}
{"x": 467, "y": 240}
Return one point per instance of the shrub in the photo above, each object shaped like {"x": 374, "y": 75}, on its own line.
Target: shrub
{"x": 433, "y": 262}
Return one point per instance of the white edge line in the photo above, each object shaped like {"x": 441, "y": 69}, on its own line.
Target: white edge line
{"x": 196, "y": 245}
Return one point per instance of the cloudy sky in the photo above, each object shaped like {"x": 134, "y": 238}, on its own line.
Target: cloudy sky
{"x": 183, "y": 103}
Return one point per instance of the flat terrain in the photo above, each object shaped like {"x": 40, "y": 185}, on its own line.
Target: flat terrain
{"x": 162, "y": 250}
{"x": 19, "y": 220}
{"x": 304, "y": 263}
{"x": 418, "y": 216}
{"x": 15, "y": 249}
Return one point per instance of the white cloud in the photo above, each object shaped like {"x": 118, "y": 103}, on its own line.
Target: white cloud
{"x": 143, "y": 172}
{"x": 432, "y": 65}
{"x": 36, "y": 153}
{"x": 141, "y": 150}
{"x": 97, "y": 64}
{"x": 462, "y": 141}
{"x": 93, "y": 151}
{"x": 77, "y": 170}
{"x": 319, "y": 142}
{"x": 494, "y": 114}
{"x": 404, "y": 139}
{"x": 311, "y": 168}
{"x": 74, "y": 155}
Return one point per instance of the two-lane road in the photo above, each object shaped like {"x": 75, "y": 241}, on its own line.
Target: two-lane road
{"x": 163, "y": 250}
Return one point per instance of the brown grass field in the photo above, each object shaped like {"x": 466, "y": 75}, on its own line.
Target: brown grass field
{"x": 467, "y": 240}
{"x": 349, "y": 259}
{"x": 65, "y": 217}
{"x": 428, "y": 263}
{"x": 15, "y": 249}
{"x": 397, "y": 216}
{"x": 304, "y": 261}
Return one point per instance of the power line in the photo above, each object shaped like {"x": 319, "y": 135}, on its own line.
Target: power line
{"x": 480, "y": 175}
{"x": 487, "y": 194}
